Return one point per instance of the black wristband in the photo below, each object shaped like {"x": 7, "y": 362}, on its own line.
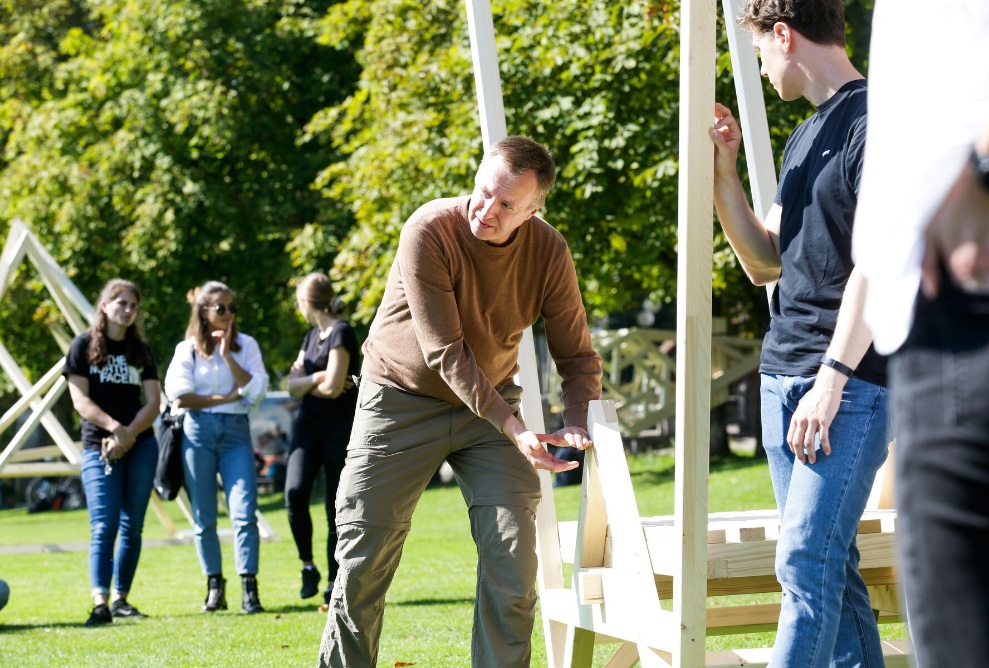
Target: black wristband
{"x": 837, "y": 366}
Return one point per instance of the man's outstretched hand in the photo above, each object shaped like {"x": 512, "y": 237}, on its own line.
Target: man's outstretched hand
{"x": 532, "y": 445}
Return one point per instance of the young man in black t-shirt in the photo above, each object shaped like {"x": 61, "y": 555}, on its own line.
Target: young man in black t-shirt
{"x": 824, "y": 402}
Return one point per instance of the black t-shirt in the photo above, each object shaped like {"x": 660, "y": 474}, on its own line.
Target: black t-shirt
{"x": 818, "y": 192}
{"x": 115, "y": 387}
{"x": 316, "y": 354}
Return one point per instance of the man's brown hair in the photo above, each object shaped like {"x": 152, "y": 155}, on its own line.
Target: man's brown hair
{"x": 522, "y": 154}
{"x": 821, "y": 21}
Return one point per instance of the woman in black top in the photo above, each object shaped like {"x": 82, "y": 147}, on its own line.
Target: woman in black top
{"x": 113, "y": 382}
{"x": 321, "y": 376}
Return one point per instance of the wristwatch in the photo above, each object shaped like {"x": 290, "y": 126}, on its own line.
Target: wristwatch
{"x": 980, "y": 168}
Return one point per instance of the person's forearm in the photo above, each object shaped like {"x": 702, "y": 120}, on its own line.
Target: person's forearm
{"x": 92, "y": 413}
{"x": 144, "y": 418}
{"x": 852, "y": 336}
{"x": 300, "y": 386}
{"x": 752, "y": 242}
{"x": 241, "y": 377}
{"x": 200, "y": 401}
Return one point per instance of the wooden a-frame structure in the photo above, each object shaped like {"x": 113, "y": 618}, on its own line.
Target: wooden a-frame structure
{"x": 617, "y": 579}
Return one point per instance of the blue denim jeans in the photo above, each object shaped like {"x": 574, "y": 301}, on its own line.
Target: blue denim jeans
{"x": 117, "y": 503}
{"x": 826, "y": 618}
{"x": 220, "y": 443}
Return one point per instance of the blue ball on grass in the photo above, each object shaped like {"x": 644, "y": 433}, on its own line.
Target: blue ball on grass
{"x": 4, "y": 594}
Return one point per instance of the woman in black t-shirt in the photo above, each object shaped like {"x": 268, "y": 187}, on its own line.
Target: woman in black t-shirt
{"x": 321, "y": 376}
{"x": 113, "y": 382}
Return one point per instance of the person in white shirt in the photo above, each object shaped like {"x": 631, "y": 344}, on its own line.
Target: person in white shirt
{"x": 217, "y": 375}
{"x": 922, "y": 240}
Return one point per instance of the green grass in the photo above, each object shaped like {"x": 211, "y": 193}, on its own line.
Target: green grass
{"x": 428, "y": 614}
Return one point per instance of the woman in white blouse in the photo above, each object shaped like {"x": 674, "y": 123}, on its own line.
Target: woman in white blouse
{"x": 217, "y": 375}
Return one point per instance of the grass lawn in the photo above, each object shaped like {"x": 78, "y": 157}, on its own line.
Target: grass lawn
{"x": 428, "y": 614}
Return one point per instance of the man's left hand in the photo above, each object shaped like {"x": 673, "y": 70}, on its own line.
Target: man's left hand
{"x": 531, "y": 444}
{"x": 813, "y": 417}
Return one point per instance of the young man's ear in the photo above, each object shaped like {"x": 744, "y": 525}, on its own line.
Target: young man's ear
{"x": 783, "y": 35}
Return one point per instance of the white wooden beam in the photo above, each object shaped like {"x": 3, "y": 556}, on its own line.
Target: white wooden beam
{"x": 751, "y": 112}
{"x": 487, "y": 77}
{"x": 693, "y": 383}
{"x": 491, "y": 109}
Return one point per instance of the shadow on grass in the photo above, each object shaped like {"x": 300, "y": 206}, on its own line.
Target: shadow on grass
{"x": 664, "y": 471}
{"x": 435, "y": 601}
{"x": 311, "y": 606}
{"x": 14, "y": 628}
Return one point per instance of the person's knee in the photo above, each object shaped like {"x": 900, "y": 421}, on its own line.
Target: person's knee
{"x": 506, "y": 547}
{"x": 296, "y": 499}
{"x": 105, "y": 531}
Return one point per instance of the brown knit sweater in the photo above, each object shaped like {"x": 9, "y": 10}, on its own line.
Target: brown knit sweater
{"x": 454, "y": 310}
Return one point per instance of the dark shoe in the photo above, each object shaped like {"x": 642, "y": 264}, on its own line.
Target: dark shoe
{"x": 250, "y": 602}
{"x": 310, "y": 582}
{"x": 100, "y": 616}
{"x": 121, "y": 609}
{"x": 216, "y": 594}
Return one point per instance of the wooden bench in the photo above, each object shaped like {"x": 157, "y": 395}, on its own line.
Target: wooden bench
{"x": 623, "y": 567}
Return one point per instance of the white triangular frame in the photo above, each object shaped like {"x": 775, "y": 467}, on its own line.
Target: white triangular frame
{"x": 39, "y": 397}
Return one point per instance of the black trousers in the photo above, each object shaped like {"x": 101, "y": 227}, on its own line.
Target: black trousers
{"x": 940, "y": 388}
{"x": 317, "y": 443}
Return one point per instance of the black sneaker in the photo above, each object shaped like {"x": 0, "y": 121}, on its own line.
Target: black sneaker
{"x": 310, "y": 582}
{"x": 100, "y": 616}
{"x": 121, "y": 609}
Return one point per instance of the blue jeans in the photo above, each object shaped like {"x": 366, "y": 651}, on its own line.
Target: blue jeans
{"x": 826, "y": 618}
{"x": 221, "y": 443}
{"x": 117, "y": 502}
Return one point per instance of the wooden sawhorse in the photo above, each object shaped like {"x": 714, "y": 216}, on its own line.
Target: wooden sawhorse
{"x": 623, "y": 567}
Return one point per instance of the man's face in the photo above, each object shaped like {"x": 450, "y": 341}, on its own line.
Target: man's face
{"x": 771, "y": 47}
{"x": 501, "y": 201}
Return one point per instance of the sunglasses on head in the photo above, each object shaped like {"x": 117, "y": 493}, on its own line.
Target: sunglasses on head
{"x": 221, "y": 309}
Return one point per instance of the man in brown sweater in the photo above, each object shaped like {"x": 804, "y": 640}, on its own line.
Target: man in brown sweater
{"x": 471, "y": 274}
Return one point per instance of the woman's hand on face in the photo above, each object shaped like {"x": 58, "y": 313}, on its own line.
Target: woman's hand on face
{"x": 223, "y": 337}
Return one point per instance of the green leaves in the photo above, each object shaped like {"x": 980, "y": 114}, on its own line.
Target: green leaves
{"x": 160, "y": 141}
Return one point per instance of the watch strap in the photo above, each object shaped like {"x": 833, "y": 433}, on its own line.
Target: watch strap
{"x": 837, "y": 366}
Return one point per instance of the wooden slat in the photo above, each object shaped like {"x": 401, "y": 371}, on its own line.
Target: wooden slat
{"x": 895, "y": 652}
{"x": 874, "y": 578}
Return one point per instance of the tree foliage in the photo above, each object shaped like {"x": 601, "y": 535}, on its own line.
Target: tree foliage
{"x": 159, "y": 141}
{"x": 598, "y": 82}
{"x": 253, "y": 140}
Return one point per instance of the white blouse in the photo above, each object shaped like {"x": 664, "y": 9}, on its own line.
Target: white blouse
{"x": 195, "y": 374}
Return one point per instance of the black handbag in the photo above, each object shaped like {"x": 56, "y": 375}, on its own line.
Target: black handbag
{"x": 169, "y": 476}
{"x": 168, "y": 473}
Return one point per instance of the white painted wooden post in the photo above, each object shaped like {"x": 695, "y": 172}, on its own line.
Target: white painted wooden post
{"x": 752, "y": 117}
{"x": 693, "y": 384}
{"x": 751, "y": 112}
{"x": 487, "y": 80}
